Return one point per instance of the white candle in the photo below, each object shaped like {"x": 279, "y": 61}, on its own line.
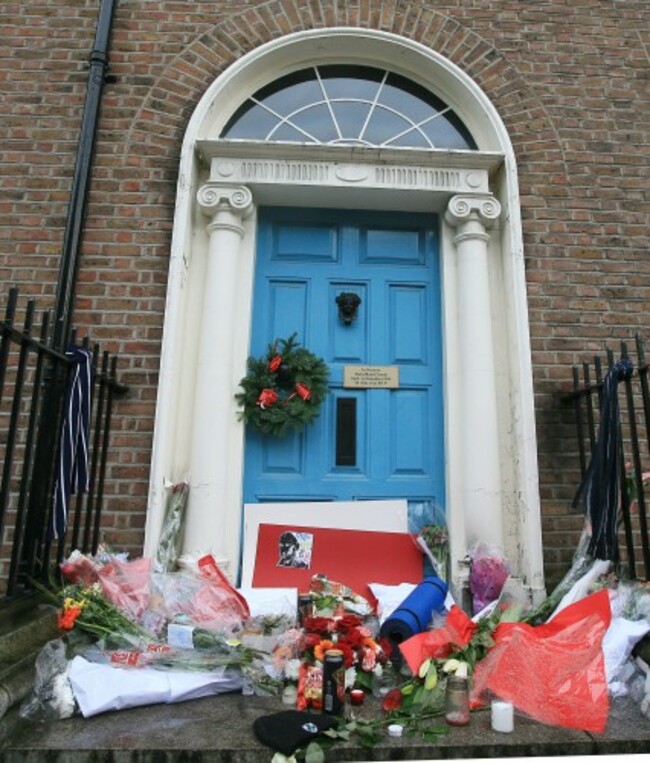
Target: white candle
{"x": 289, "y": 694}
{"x": 503, "y": 718}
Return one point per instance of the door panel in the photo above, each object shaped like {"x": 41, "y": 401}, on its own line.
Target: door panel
{"x": 366, "y": 443}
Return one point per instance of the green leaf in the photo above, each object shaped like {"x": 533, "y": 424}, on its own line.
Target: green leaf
{"x": 432, "y": 733}
{"x": 363, "y": 680}
{"x": 314, "y": 753}
{"x": 418, "y": 695}
{"x": 369, "y": 738}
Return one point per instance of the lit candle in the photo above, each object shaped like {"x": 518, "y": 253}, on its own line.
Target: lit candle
{"x": 357, "y": 696}
{"x": 503, "y": 718}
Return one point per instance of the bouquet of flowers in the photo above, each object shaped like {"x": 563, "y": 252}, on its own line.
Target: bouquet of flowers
{"x": 86, "y": 608}
{"x": 333, "y": 599}
{"x": 434, "y": 542}
{"x": 363, "y": 654}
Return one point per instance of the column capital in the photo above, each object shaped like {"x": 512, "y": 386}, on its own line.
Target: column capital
{"x": 225, "y": 197}
{"x": 463, "y": 208}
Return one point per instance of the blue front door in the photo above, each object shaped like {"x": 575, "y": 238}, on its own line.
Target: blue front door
{"x": 366, "y": 443}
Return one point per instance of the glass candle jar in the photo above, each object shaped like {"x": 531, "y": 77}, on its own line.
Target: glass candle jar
{"x": 457, "y": 701}
{"x": 290, "y": 694}
{"x": 384, "y": 680}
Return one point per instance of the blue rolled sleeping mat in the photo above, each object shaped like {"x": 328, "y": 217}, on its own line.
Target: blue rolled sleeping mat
{"x": 414, "y": 614}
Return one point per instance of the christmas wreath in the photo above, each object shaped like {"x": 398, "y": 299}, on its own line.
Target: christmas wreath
{"x": 283, "y": 390}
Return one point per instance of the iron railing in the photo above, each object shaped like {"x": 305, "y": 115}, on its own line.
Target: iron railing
{"x": 33, "y": 382}
{"x": 634, "y": 423}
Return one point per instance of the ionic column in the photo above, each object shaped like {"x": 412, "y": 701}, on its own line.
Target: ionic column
{"x": 480, "y": 488}
{"x": 226, "y": 206}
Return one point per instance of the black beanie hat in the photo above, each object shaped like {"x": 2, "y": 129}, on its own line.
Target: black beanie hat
{"x": 288, "y": 730}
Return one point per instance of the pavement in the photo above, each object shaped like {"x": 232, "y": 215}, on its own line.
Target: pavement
{"x": 219, "y": 729}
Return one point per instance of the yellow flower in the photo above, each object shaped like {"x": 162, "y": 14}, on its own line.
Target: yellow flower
{"x": 70, "y": 603}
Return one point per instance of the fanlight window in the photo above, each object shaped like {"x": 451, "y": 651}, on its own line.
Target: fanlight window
{"x": 349, "y": 105}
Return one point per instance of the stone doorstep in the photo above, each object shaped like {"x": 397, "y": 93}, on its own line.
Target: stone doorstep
{"x": 169, "y": 733}
{"x": 218, "y": 729}
{"x": 26, "y": 626}
{"x": 25, "y": 631}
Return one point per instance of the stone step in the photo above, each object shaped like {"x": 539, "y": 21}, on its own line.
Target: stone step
{"x": 25, "y": 627}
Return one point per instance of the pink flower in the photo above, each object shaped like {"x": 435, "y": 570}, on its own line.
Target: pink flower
{"x": 369, "y": 660}
{"x": 281, "y": 655}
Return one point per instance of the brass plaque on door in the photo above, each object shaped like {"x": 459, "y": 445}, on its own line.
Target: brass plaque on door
{"x": 371, "y": 377}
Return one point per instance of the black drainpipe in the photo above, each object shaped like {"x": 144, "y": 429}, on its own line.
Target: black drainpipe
{"x": 81, "y": 179}
{"x": 35, "y": 549}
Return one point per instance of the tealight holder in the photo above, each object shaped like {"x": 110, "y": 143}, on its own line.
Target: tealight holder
{"x": 357, "y": 696}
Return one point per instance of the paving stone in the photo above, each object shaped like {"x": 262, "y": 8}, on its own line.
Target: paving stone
{"x": 219, "y": 730}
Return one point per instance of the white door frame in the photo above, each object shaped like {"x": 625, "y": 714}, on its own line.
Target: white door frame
{"x": 491, "y": 458}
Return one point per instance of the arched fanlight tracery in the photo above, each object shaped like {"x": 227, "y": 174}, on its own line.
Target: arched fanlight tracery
{"x": 349, "y": 105}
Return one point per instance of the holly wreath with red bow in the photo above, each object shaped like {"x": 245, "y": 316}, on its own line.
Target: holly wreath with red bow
{"x": 283, "y": 390}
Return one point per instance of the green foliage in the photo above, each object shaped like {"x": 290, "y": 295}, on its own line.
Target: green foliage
{"x": 314, "y": 753}
{"x": 481, "y": 642}
{"x": 289, "y": 412}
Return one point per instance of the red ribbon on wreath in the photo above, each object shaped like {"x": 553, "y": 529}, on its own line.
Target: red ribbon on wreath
{"x": 267, "y": 398}
{"x": 303, "y": 391}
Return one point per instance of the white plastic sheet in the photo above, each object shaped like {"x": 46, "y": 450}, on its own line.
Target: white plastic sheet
{"x": 618, "y": 643}
{"x": 264, "y": 602}
{"x": 99, "y": 688}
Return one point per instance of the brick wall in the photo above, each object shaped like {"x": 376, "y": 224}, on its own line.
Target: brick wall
{"x": 568, "y": 77}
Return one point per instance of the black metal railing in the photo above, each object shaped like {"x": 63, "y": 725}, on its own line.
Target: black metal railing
{"x": 34, "y": 379}
{"x": 634, "y": 423}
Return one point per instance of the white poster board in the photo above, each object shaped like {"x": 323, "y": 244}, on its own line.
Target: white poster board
{"x": 372, "y": 516}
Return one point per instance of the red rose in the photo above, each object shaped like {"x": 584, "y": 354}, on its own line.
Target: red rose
{"x": 319, "y": 624}
{"x": 352, "y": 637}
{"x": 275, "y": 363}
{"x": 310, "y": 640}
{"x": 303, "y": 391}
{"x": 386, "y": 647}
{"x": 348, "y": 654}
{"x": 267, "y": 398}
{"x": 392, "y": 701}
{"x": 349, "y": 621}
